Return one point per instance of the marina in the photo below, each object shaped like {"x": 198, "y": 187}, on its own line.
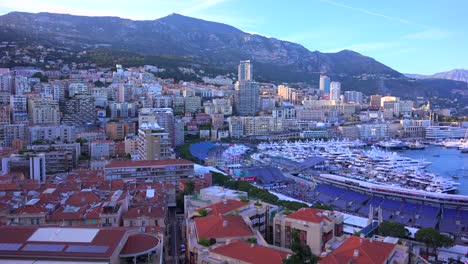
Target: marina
{"x": 350, "y": 159}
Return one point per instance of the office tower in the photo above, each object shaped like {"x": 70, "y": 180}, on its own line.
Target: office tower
{"x": 353, "y": 97}
{"x": 153, "y": 143}
{"x": 324, "y": 84}
{"x": 335, "y": 91}
{"x": 44, "y": 111}
{"x": 246, "y": 91}
{"x": 245, "y": 71}
{"x": 375, "y": 101}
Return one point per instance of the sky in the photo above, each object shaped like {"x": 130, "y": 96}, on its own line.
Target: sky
{"x": 411, "y": 36}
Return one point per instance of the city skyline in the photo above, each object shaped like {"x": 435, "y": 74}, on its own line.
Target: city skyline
{"x": 418, "y": 38}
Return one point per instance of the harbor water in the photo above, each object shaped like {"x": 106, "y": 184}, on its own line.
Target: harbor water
{"x": 446, "y": 162}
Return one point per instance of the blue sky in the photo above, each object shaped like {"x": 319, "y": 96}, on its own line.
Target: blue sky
{"x": 416, "y": 36}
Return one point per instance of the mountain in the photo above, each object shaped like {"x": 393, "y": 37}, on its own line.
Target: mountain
{"x": 214, "y": 48}
{"x": 176, "y": 35}
{"x": 455, "y": 75}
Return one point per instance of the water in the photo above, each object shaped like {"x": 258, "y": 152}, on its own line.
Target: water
{"x": 450, "y": 162}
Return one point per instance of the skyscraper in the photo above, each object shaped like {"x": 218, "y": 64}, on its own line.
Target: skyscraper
{"x": 324, "y": 84}
{"x": 335, "y": 91}
{"x": 246, "y": 91}
{"x": 245, "y": 71}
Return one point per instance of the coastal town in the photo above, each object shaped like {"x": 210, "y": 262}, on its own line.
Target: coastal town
{"x": 119, "y": 165}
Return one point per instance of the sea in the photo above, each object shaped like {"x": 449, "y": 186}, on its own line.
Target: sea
{"x": 446, "y": 162}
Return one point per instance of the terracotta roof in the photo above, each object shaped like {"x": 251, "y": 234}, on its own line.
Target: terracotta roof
{"x": 312, "y": 215}
{"x": 369, "y": 252}
{"x": 221, "y": 227}
{"x": 83, "y": 198}
{"x": 139, "y": 243}
{"x": 255, "y": 254}
{"x": 144, "y": 211}
{"x": 224, "y": 207}
{"x": 147, "y": 163}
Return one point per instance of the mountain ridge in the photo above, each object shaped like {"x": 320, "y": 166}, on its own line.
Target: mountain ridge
{"x": 211, "y": 47}
{"x": 460, "y": 74}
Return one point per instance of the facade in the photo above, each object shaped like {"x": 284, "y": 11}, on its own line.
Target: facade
{"x": 19, "y": 108}
{"x": 37, "y": 168}
{"x": 52, "y": 134}
{"x": 444, "y": 132}
{"x": 335, "y": 91}
{"x": 373, "y": 131}
{"x": 353, "y": 97}
{"x": 122, "y": 110}
{"x": 324, "y": 84}
{"x": 44, "y": 111}
{"x": 245, "y": 71}
{"x": 374, "y": 101}
{"x": 285, "y": 92}
{"x": 315, "y": 228}
{"x": 192, "y": 104}
{"x": 79, "y": 110}
{"x": 236, "y": 127}
{"x": 154, "y": 143}
{"x": 162, "y": 116}
{"x": 167, "y": 171}
{"x": 247, "y": 98}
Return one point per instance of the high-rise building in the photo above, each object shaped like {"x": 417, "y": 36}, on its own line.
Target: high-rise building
{"x": 79, "y": 110}
{"x": 324, "y": 84}
{"x": 44, "y": 111}
{"x": 285, "y": 92}
{"x": 353, "y": 97}
{"x": 6, "y": 83}
{"x": 375, "y": 101}
{"x": 154, "y": 143}
{"x": 245, "y": 71}
{"x": 335, "y": 91}
{"x": 19, "y": 108}
{"x": 37, "y": 168}
{"x": 162, "y": 116}
{"x": 246, "y": 91}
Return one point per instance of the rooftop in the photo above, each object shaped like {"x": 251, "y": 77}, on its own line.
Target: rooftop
{"x": 312, "y": 215}
{"x": 221, "y": 227}
{"x": 224, "y": 207}
{"x": 251, "y": 253}
{"x": 359, "y": 250}
{"x": 146, "y": 163}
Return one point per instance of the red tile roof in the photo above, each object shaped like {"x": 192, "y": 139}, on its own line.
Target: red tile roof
{"x": 147, "y": 163}
{"x": 139, "y": 243}
{"x": 83, "y": 198}
{"x": 312, "y": 215}
{"x": 214, "y": 227}
{"x": 256, "y": 254}
{"x": 144, "y": 211}
{"x": 224, "y": 207}
{"x": 369, "y": 252}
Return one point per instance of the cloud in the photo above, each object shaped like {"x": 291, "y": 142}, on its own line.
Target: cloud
{"x": 365, "y": 11}
{"x": 200, "y": 6}
{"x": 429, "y": 34}
{"x": 368, "y": 46}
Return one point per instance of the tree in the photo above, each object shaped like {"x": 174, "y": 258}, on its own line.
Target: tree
{"x": 393, "y": 229}
{"x": 203, "y": 212}
{"x": 189, "y": 188}
{"x": 301, "y": 252}
{"x": 433, "y": 240}
{"x": 41, "y": 77}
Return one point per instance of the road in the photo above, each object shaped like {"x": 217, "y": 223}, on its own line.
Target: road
{"x": 175, "y": 238}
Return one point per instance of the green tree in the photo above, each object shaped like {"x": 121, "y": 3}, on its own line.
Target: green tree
{"x": 41, "y": 77}
{"x": 301, "y": 252}
{"x": 393, "y": 229}
{"x": 203, "y": 212}
{"x": 189, "y": 188}
{"x": 433, "y": 240}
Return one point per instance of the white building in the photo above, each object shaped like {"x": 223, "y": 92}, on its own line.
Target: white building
{"x": 335, "y": 91}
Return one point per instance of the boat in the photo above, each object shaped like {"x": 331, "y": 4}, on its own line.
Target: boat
{"x": 416, "y": 145}
{"x": 436, "y": 155}
{"x": 452, "y": 143}
{"x": 455, "y": 176}
{"x": 392, "y": 144}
